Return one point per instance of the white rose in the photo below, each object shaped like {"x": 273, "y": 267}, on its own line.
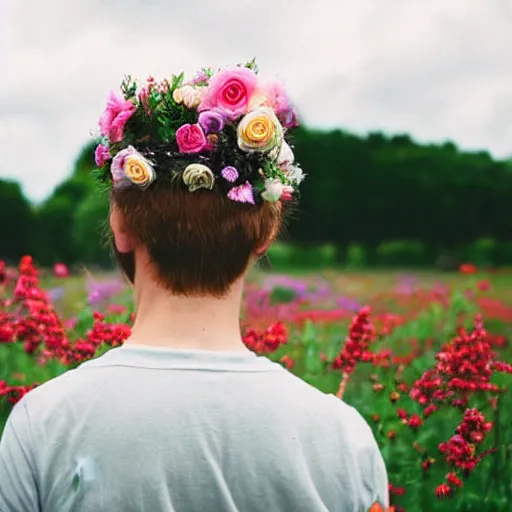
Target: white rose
{"x": 273, "y": 190}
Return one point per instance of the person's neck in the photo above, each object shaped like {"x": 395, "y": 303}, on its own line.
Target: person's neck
{"x": 186, "y": 323}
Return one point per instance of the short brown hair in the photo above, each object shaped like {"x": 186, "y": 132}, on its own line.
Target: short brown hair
{"x": 200, "y": 242}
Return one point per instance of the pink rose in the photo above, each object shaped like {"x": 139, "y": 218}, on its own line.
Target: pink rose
{"x": 115, "y": 116}
{"x": 230, "y": 90}
{"x": 101, "y": 155}
{"x": 280, "y": 103}
{"x": 191, "y": 138}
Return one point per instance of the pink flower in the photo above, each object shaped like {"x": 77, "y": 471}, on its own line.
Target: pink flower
{"x": 60, "y": 270}
{"x": 277, "y": 95}
{"x": 242, "y": 193}
{"x": 115, "y": 116}
{"x": 229, "y": 173}
{"x": 191, "y": 138}
{"x": 280, "y": 102}
{"x": 101, "y": 155}
{"x": 231, "y": 90}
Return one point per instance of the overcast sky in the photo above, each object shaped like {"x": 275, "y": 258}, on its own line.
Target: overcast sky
{"x": 437, "y": 69}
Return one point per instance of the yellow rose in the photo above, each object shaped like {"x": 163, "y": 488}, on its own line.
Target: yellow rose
{"x": 197, "y": 176}
{"x": 259, "y": 130}
{"x": 138, "y": 170}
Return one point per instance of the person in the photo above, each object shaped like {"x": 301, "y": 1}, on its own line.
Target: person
{"x": 183, "y": 417}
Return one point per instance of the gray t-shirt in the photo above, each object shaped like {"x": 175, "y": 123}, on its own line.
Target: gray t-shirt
{"x": 150, "y": 429}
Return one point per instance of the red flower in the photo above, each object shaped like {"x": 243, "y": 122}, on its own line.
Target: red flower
{"x": 397, "y": 491}
{"x": 287, "y": 361}
{"x": 415, "y": 421}
{"x": 484, "y": 285}
{"x": 464, "y": 366}
{"x": 467, "y": 268}
{"x": 427, "y": 463}
{"x": 461, "y": 449}
{"x": 453, "y": 479}
{"x": 361, "y": 334}
{"x": 443, "y": 491}
{"x": 268, "y": 341}
{"x": 402, "y": 414}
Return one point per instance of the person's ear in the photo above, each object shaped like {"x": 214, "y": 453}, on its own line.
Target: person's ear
{"x": 265, "y": 246}
{"x": 123, "y": 241}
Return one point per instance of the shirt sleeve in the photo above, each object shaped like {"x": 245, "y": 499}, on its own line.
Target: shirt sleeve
{"x": 18, "y": 483}
{"x": 368, "y": 469}
{"x": 380, "y": 478}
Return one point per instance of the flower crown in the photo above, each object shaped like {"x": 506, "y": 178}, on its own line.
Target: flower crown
{"x": 223, "y": 130}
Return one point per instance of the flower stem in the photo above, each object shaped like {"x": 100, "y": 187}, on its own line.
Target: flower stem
{"x": 343, "y": 385}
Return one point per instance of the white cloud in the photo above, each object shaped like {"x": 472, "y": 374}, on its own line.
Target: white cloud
{"x": 435, "y": 69}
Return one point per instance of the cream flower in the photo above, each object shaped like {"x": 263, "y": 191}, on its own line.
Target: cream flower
{"x": 197, "y": 176}
{"x": 130, "y": 165}
{"x": 274, "y": 189}
{"x": 138, "y": 170}
{"x": 285, "y": 157}
{"x": 189, "y": 95}
{"x": 177, "y": 96}
{"x": 259, "y": 130}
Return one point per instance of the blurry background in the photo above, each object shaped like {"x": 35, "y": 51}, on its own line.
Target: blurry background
{"x": 406, "y": 113}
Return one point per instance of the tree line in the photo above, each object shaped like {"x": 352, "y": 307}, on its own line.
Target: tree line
{"x": 402, "y": 202}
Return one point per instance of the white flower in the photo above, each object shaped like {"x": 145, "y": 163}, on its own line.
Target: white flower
{"x": 189, "y": 95}
{"x": 295, "y": 174}
{"x": 286, "y": 156}
{"x": 274, "y": 189}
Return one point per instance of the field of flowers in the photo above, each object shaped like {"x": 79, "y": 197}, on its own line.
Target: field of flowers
{"x": 424, "y": 357}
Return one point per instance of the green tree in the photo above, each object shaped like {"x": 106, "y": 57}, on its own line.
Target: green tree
{"x": 90, "y": 233}
{"x": 16, "y": 222}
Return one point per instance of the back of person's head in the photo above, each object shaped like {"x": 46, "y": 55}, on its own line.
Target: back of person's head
{"x": 201, "y": 175}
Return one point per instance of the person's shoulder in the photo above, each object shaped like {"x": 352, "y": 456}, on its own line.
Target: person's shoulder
{"x": 341, "y": 417}
{"x": 54, "y": 395}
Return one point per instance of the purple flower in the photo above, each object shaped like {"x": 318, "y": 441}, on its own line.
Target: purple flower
{"x": 211, "y": 121}
{"x": 55, "y": 294}
{"x": 101, "y": 155}
{"x": 201, "y": 78}
{"x": 229, "y": 173}
{"x": 100, "y": 291}
{"x": 288, "y": 118}
{"x": 117, "y": 167}
{"x": 348, "y": 304}
{"x": 242, "y": 193}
